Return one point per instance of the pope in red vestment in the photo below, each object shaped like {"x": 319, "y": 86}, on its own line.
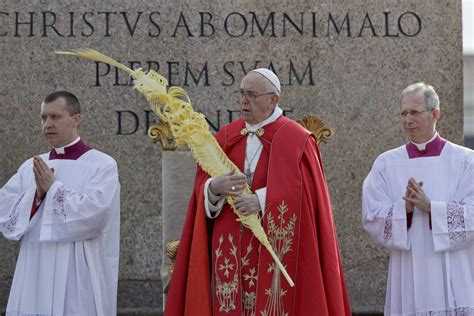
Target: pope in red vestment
{"x": 221, "y": 268}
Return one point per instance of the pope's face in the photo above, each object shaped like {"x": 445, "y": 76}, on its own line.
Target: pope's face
{"x": 59, "y": 126}
{"x": 418, "y": 122}
{"x": 257, "y": 103}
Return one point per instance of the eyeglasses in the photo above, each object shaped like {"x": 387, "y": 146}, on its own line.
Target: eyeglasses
{"x": 251, "y": 95}
{"x": 414, "y": 112}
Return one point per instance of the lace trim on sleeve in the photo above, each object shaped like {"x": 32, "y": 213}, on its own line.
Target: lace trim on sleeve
{"x": 59, "y": 228}
{"x": 387, "y": 230}
{"x": 460, "y": 311}
{"x": 10, "y": 225}
{"x": 456, "y": 224}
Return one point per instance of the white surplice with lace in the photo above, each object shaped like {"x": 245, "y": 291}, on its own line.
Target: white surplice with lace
{"x": 68, "y": 260}
{"x": 431, "y": 270}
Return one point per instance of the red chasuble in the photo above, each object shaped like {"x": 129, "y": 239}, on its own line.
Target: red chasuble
{"x": 221, "y": 268}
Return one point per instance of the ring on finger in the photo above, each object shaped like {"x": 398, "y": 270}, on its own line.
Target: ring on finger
{"x": 232, "y": 188}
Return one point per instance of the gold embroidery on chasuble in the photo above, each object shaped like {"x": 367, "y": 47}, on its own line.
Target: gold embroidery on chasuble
{"x": 227, "y": 275}
{"x": 280, "y": 233}
{"x": 249, "y": 282}
{"x": 226, "y": 266}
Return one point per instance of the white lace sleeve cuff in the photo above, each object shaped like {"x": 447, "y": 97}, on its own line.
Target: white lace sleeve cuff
{"x": 54, "y": 218}
{"x": 16, "y": 223}
{"x": 449, "y": 225}
{"x": 395, "y": 229}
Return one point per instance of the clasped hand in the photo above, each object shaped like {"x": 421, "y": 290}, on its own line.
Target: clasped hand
{"x": 232, "y": 184}
{"x": 415, "y": 197}
{"x": 44, "y": 177}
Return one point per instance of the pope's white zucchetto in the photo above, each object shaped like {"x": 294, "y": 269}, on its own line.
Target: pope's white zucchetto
{"x": 270, "y": 76}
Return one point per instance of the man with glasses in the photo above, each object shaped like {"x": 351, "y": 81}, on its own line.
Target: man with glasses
{"x": 280, "y": 161}
{"x": 418, "y": 201}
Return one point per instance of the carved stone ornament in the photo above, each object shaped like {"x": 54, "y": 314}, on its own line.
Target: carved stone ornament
{"x": 171, "y": 251}
{"x": 161, "y": 132}
{"x": 317, "y": 127}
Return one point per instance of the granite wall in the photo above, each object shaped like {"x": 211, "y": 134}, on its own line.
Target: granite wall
{"x": 346, "y": 61}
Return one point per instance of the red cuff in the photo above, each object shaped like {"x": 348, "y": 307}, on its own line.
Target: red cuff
{"x": 409, "y": 219}
{"x": 35, "y": 206}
